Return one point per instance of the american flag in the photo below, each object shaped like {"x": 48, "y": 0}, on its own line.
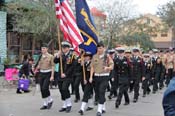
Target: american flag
{"x": 68, "y": 24}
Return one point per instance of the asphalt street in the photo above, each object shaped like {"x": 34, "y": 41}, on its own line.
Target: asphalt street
{"x": 28, "y": 104}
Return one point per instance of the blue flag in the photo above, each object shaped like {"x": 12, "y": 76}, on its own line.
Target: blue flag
{"x": 86, "y": 26}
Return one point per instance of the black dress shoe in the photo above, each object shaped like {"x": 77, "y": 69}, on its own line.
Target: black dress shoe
{"x": 148, "y": 92}
{"x": 81, "y": 112}
{"x": 68, "y": 109}
{"x": 135, "y": 100}
{"x": 26, "y": 91}
{"x": 43, "y": 108}
{"x": 95, "y": 103}
{"x": 62, "y": 110}
{"x": 126, "y": 103}
{"x": 49, "y": 105}
{"x": 76, "y": 100}
{"x": 144, "y": 95}
{"x": 18, "y": 91}
{"x": 110, "y": 97}
{"x": 98, "y": 114}
{"x": 154, "y": 92}
{"x": 116, "y": 105}
{"x": 103, "y": 111}
{"x": 89, "y": 108}
{"x": 73, "y": 93}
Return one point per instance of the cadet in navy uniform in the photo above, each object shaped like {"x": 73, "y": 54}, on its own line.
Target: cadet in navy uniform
{"x": 65, "y": 79}
{"x": 148, "y": 70}
{"x": 113, "y": 78}
{"x": 88, "y": 87}
{"x": 157, "y": 71}
{"x": 77, "y": 78}
{"x": 137, "y": 71}
{"x": 122, "y": 70}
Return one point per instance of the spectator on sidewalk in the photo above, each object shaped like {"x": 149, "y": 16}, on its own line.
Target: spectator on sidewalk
{"x": 25, "y": 71}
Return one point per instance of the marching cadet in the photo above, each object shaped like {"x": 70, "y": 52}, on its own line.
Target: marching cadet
{"x": 157, "y": 71}
{"x": 73, "y": 78}
{"x": 78, "y": 78}
{"x": 113, "y": 79}
{"x": 163, "y": 74}
{"x": 88, "y": 87}
{"x": 169, "y": 66}
{"x": 101, "y": 65}
{"x": 122, "y": 70}
{"x": 64, "y": 81}
{"x": 148, "y": 70}
{"x": 137, "y": 71}
{"x": 46, "y": 73}
{"x": 128, "y": 55}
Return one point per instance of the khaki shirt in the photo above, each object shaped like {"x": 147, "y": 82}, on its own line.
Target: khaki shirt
{"x": 170, "y": 62}
{"x": 46, "y": 62}
{"x": 98, "y": 64}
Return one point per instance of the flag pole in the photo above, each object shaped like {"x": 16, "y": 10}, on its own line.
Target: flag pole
{"x": 59, "y": 44}
{"x": 82, "y": 60}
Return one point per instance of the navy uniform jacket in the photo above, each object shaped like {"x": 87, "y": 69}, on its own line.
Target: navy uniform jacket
{"x": 122, "y": 70}
{"x": 68, "y": 65}
{"x": 78, "y": 70}
{"x": 137, "y": 67}
{"x": 157, "y": 67}
{"x": 148, "y": 69}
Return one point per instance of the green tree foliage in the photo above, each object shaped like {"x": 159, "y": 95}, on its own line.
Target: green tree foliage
{"x": 167, "y": 13}
{"x": 34, "y": 16}
{"x": 141, "y": 38}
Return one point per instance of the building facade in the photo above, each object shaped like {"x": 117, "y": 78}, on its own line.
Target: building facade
{"x": 162, "y": 36}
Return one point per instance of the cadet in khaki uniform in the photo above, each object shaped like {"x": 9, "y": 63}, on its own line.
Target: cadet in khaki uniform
{"x": 100, "y": 69}
{"x": 169, "y": 66}
{"x": 46, "y": 67}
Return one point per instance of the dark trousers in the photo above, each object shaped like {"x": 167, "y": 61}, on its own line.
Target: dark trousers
{"x": 101, "y": 83}
{"x": 88, "y": 92}
{"x": 64, "y": 88}
{"x": 72, "y": 85}
{"x": 131, "y": 86}
{"x": 156, "y": 81}
{"x": 123, "y": 90}
{"x": 44, "y": 84}
{"x": 169, "y": 76}
{"x": 78, "y": 80}
{"x": 136, "y": 87}
{"x": 145, "y": 86}
{"x": 114, "y": 87}
{"x": 37, "y": 78}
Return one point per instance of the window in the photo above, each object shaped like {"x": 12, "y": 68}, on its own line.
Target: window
{"x": 148, "y": 21}
{"x": 154, "y": 35}
{"x": 164, "y": 35}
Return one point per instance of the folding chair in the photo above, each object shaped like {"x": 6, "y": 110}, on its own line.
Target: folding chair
{"x": 10, "y": 78}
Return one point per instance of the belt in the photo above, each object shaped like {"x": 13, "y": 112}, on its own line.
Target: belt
{"x": 101, "y": 74}
{"x": 45, "y": 71}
